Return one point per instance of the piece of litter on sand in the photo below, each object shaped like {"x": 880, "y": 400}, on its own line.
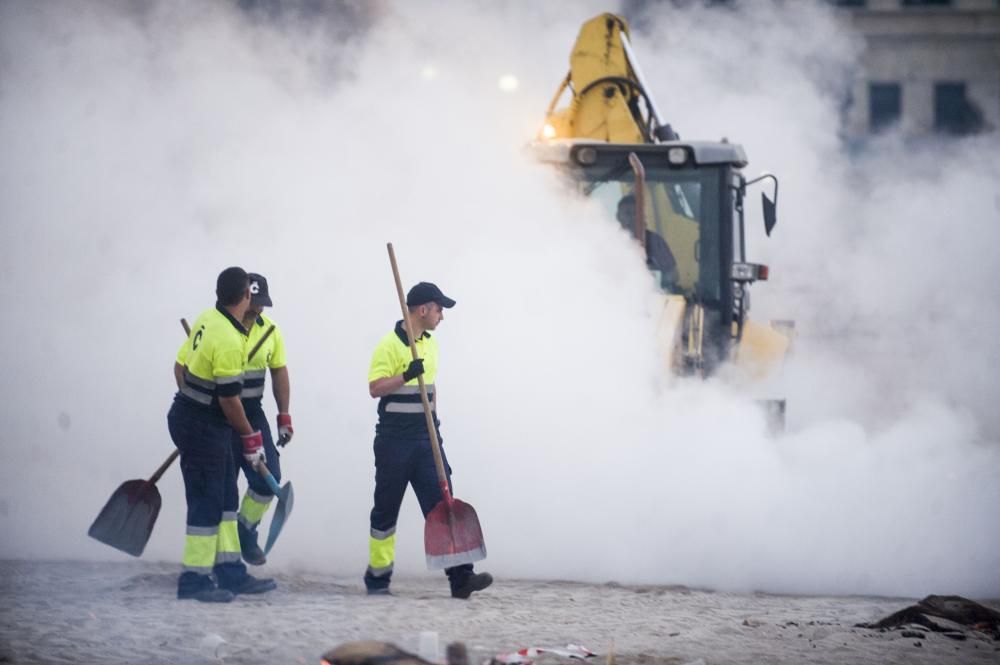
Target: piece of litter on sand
{"x": 214, "y": 646}
{"x": 457, "y": 654}
{"x": 371, "y": 651}
{"x": 525, "y": 656}
{"x": 942, "y": 614}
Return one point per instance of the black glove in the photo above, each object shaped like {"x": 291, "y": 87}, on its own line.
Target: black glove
{"x": 415, "y": 369}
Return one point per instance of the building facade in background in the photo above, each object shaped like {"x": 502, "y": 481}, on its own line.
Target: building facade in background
{"x": 929, "y": 67}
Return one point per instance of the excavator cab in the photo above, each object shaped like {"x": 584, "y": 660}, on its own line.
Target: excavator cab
{"x": 686, "y": 200}
{"x": 691, "y": 197}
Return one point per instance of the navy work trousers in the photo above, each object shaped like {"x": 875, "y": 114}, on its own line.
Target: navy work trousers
{"x": 207, "y": 466}
{"x": 400, "y": 462}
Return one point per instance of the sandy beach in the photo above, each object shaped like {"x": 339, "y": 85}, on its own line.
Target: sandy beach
{"x": 118, "y": 613}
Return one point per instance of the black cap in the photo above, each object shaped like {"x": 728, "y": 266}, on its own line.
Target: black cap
{"x": 425, "y": 292}
{"x": 231, "y": 285}
{"x": 258, "y": 290}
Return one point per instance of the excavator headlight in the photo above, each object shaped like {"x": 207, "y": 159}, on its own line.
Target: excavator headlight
{"x": 548, "y": 131}
{"x": 677, "y": 156}
{"x": 586, "y": 156}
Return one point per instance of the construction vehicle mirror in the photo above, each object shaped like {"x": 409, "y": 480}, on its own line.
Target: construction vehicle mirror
{"x": 769, "y": 205}
{"x": 770, "y": 213}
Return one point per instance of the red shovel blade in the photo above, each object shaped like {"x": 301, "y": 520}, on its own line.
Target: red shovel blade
{"x": 452, "y": 535}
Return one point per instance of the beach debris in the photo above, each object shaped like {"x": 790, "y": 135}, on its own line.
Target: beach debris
{"x": 214, "y": 646}
{"x": 527, "y": 655}
{"x": 950, "y": 616}
{"x": 457, "y": 654}
{"x": 371, "y": 652}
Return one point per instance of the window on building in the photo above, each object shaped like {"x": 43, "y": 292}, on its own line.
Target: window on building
{"x": 885, "y": 105}
{"x": 954, "y": 113}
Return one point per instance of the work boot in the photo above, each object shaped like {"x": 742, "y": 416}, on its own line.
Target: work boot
{"x": 249, "y": 584}
{"x": 232, "y": 576}
{"x": 474, "y": 582}
{"x": 251, "y": 551}
{"x": 383, "y": 591}
{"x": 193, "y": 586}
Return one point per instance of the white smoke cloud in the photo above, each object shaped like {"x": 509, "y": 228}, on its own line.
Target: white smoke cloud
{"x": 147, "y": 150}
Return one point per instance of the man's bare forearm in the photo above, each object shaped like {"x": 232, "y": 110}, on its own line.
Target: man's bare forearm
{"x": 385, "y": 385}
{"x": 281, "y": 386}
{"x": 232, "y": 407}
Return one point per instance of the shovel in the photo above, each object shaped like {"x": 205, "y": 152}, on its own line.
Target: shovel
{"x": 452, "y": 535}
{"x": 129, "y": 515}
{"x": 286, "y": 499}
{"x": 127, "y": 519}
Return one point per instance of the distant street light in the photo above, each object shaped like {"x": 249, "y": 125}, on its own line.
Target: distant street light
{"x": 508, "y": 83}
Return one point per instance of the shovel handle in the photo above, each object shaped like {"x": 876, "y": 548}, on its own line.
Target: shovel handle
{"x": 260, "y": 343}
{"x": 435, "y": 446}
{"x": 163, "y": 467}
{"x": 268, "y": 478}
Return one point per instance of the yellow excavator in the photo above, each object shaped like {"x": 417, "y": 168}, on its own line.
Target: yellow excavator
{"x": 683, "y": 202}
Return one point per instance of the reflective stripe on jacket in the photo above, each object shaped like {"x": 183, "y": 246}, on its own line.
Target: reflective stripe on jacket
{"x": 401, "y": 413}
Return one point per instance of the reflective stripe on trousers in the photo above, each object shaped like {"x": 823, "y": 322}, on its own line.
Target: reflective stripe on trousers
{"x": 228, "y": 549}
{"x": 199, "y": 549}
{"x": 253, "y": 508}
{"x": 381, "y": 552}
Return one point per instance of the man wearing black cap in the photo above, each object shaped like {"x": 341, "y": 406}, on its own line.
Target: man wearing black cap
{"x": 270, "y": 356}
{"x": 206, "y": 410}
{"x": 402, "y": 443}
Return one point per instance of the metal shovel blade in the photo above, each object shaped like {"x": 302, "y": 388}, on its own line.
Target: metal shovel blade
{"x": 127, "y": 519}
{"x": 452, "y": 535}
{"x": 286, "y": 499}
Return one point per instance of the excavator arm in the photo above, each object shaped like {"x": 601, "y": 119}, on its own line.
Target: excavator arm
{"x": 609, "y": 100}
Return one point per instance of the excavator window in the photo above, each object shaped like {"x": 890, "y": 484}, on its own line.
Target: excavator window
{"x": 682, "y": 207}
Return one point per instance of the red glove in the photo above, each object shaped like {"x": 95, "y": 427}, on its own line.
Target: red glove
{"x": 285, "y": 430}
{"x": 253, "y": 447}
